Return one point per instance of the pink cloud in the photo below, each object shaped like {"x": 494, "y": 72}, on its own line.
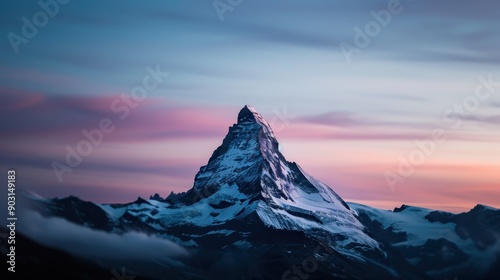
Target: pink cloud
{"x": 453, "y": 187}
{"x": 16, "y": 99}
{"x": 338, "y": 119}
{"x": 64, "y": 117}
{"x": 302, "y": 130}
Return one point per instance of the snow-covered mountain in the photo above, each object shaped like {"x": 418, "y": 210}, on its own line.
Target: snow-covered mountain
{"x": 247, "y": 175}
{"x": 441, "y": 243}
{"x": 248, "y": 202}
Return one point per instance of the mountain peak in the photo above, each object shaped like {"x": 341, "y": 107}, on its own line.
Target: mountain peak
{"x": 248, "y": 115}
{"x": 239, "y": 158}
{"x": 249, "y": 158}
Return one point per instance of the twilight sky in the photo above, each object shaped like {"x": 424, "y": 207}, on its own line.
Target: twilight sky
{"x": 387, "y": 102}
